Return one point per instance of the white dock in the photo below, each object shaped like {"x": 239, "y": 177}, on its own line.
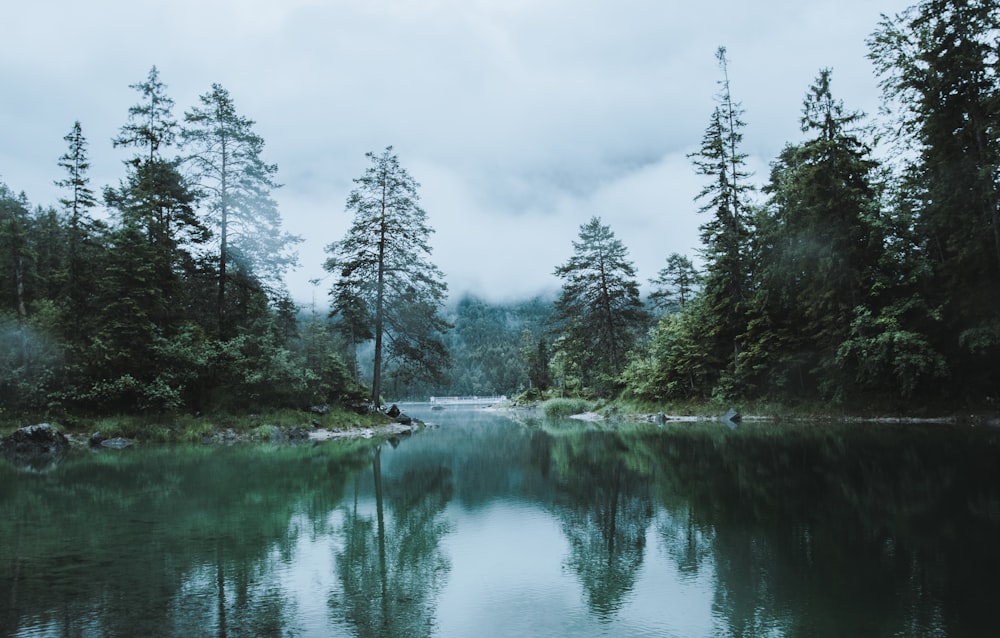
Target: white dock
{"x": 472, "y": 400}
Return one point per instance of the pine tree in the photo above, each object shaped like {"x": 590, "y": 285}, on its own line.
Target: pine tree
{"x": 818, "y": 246}
{"x": 938, "y": 67}
{"x": 725, "y": 237}
{"x": 77, "y": 205}
{"x": 146, "y": 286}
{"x": 598, "y": 313}
{"x": 151, "y": 124}
{"x": 675, "y": 284}
{"x": 227, "y": 166}
{"x": 387, "y": 289}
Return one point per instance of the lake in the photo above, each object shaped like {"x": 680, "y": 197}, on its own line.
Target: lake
{"x": 483, "y": 525}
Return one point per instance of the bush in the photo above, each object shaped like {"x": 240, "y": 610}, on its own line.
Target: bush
{"x": 560, "y": 408}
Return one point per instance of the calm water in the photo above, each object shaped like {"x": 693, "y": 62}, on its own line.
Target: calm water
{"x": 484, "y": 527}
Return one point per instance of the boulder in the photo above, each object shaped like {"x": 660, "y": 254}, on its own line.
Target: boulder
{"x": 393, "y": 411}
{"x": 35, "y": 446}
{"x": 360, "y": 407}
{"x": 320, "y": 409}
{"x": 403, "y": 419}
{"x": 732, "y": 418}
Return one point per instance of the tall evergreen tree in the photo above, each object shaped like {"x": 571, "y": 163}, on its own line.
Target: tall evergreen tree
{"x": 145, "y": 289}
{"x": 227, "y": 166}
{"x": 14, "y": 253}
{"x": 387, "y": 289}
{"x": 938, "y": 67}
{"x": 155, "y": 201}
{"x": 146, "y": 281}
{"x": 727, "y": 281}
{"x": 818, "y": 248}
{"x": 151, "y": 124}
{"x": 77, "y": 204}
{"x": 598, "y": 313}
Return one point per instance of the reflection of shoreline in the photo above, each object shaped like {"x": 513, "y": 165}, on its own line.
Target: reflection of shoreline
{"x": 294, "y": 435}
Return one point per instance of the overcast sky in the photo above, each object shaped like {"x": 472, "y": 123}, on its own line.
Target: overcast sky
{"x": 521, "y": 119}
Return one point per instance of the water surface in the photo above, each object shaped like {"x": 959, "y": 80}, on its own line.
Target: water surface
{"x": 484, "y": 526}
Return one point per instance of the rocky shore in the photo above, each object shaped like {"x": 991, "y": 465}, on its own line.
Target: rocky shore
{"x": 40, "y": 447}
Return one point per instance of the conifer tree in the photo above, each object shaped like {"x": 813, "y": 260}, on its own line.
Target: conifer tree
{"x": 937, "y": 63}
{"x": 598, "y": 313}
{"x": 725, "y": 236}
{"x": 818, "y": 247}
{"x": 226, "y": 164}
{"x": 151, "y": 124}
{"x": 146, "y": 279}
{"x": 675, "y": 284}
{"x": 77, "y": 204}
{"x": 387, "y": 289}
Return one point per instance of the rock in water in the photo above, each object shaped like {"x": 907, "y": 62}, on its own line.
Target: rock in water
{"x": 117, "y": 443}
{"x": 732, "y": 417}
{"x": 35, "y": 446}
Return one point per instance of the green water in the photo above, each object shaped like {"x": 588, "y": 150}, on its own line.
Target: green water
{"x": 482, "y": 526}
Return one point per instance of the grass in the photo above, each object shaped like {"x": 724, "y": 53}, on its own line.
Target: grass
{"x": 561, "y": 408}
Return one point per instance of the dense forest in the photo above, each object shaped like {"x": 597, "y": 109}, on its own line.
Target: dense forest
{"x": 864, "y": 271}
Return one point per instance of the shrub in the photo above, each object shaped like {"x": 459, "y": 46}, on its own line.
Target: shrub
{"x": 560, "y": 408}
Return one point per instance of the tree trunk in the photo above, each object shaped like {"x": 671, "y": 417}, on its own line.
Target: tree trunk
{"x": 379, "y": 308}
{"x": 223, "y": 243}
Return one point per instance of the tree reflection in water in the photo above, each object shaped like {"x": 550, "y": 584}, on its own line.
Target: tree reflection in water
{"x": 798, "y": 530}
{"x": 391, "y": 566}
{"x": 605, "y": 508}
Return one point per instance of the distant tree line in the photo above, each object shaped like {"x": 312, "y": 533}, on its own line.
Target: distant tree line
{"x": 852, "y": 276}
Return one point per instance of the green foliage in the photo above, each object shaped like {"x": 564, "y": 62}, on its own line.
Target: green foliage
{"x": 818, "y": 244}
{"x": 561, "y": 408}
{"x": 888, "y": 357}
{"x": 387, "y": 289}
{"x": 854, "y": 282}
{"x": 674, "y": 365}
{"x": 938, "y": 70}
{"x": 15, "y": 255}
{"x": 494, "y": 347}
{"x": 226, "y": 164}
{"x": 116, "y": 318}
{"x": 675, "y": 285}
{"x": 725, "y": 236}
{"x": 31, "y": 360}
{"x": 151, "y": 124}
{"x": 598, "y": 316}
